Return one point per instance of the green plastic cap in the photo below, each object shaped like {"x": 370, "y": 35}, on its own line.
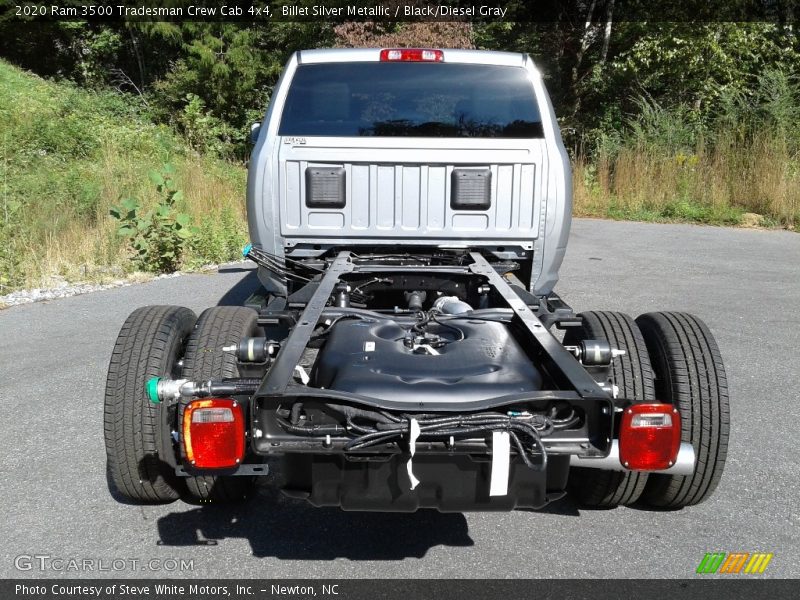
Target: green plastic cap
{"x": 152, "y": 389}
{"x": 246, "y": 250}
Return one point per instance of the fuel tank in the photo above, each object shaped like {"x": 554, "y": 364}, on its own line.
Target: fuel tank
{"x": 472, "y": 360}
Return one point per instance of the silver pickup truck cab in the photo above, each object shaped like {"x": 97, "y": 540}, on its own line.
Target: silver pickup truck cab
{"x": 399, "y": 148}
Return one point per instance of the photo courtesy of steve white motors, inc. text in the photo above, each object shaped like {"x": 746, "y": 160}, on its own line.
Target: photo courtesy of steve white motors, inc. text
{"x": 172, "y": 589}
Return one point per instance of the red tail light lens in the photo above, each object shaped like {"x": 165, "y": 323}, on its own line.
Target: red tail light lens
{"x": 213, "y": 433}
{"x": 649, "y": 437}
{"x": 411, "y": 55}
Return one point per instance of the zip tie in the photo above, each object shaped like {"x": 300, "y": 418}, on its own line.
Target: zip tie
{"x": 301, "y": 372}
{"x": 414, "y": 431}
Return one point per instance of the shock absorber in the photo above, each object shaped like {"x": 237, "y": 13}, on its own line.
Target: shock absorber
{"x": 341, "y": 295}
{"x": 595, "y": 353}
{"x": 253, "y": 349}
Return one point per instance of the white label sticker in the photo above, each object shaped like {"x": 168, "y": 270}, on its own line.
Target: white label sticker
{"x": 414, "y": 432}
{"x": 369, "y": 346}
{"x": 501, "y": 459}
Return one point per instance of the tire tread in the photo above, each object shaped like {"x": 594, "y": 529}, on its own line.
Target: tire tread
{"x": 145, "y": 347}
{"x": 691, "y": 375}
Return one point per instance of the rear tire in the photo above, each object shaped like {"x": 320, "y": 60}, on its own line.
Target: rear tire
{"x": 689, "y": 374}
{"x": 139, "y": 454}
{"x": 204, "y": 359}
{"x": 633, "y": 375}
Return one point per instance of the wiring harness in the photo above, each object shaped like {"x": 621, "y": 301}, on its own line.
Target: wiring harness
{"x": 367, "y": 428}
{"x": 299, "y": 271}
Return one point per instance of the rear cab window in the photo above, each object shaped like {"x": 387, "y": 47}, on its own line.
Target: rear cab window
{"x": 411, "y": 99}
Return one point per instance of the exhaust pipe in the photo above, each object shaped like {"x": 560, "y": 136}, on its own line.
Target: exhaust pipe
{"x": 684, "y": 463}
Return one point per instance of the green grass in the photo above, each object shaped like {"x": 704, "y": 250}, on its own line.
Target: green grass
{"x": 745, "y": 187}
{"x": 663, "y": 167}
{"x": 68, "y": 154}
{"x": 681, "y": 211}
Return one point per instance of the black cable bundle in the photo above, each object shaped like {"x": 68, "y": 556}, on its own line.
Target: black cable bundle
{"x": 461, "y": 427}
{"x": 368, "y": 428}
{"x": 278, "y": 265}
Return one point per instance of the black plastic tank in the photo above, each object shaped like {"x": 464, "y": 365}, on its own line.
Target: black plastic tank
{"x": 371, "y": 358}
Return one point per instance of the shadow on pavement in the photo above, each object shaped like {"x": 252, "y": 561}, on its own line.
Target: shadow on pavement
{"x": 566, "y": 507}
{"x": 283, "y": 528}
{"x": 237, "y": 295}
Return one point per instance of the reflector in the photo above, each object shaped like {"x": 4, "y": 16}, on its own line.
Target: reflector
{"x": 649, "y": 437}
{"x": 213, "y": 433}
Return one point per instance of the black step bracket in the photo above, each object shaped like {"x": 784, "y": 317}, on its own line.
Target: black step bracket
{"x": 519, "y": 289}
{"x": 303, "y": 296}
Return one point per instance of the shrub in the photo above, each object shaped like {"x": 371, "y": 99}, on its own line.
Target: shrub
{"x": 159, "y": 236}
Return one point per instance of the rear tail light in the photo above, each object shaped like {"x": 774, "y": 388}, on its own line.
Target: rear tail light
{"x": 411, "y": 55}
{"x": 649, "y": 437}
{"x": 213, "y": 433}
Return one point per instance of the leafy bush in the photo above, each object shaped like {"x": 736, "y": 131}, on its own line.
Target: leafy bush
{"x": 159, "y": 236}
{"x": 203, "y": 131}
{"x": 57, "y": 184}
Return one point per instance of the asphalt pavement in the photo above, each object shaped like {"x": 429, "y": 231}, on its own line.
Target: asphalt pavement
{"x": 57, "y": 503}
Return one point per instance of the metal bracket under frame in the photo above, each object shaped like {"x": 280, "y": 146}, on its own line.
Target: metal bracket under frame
{"x": 243, "y": 470}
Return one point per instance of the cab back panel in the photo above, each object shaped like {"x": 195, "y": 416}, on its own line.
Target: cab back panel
{"x": 402, "y": 193}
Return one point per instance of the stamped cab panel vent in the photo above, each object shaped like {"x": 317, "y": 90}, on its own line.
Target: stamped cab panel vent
{"x": 471, "y": 189}
{"x": 325, "y": 187}
{"x": 406, "y": 200}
